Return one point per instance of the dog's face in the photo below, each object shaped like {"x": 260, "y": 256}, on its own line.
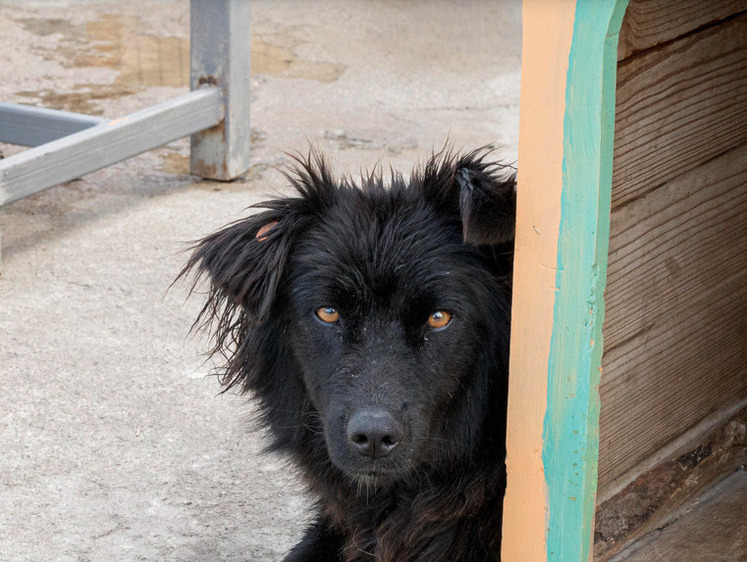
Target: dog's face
{"x": 382, "y": 305}
{"x": 386, "y": 304}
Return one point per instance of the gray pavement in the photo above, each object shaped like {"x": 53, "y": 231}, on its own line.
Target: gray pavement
{"x": 114, "y": 441}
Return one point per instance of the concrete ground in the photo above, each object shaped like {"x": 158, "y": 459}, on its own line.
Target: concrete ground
{"x": 114, "y": 442}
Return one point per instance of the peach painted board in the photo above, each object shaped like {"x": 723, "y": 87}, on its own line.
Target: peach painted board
{"x": 565, "y": 174}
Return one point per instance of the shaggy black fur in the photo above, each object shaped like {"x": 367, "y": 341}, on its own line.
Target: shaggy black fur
{"x": 396, "y": 425}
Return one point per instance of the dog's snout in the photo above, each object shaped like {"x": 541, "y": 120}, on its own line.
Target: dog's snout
{"x": 373, "y": 433}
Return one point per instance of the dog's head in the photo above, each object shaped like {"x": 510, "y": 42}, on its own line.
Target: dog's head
{"x": 370, "y": 321}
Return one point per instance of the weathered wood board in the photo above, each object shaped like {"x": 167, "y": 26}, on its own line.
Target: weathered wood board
{"x": 679, "y": 106}
{"x": 654, "y": 498}
{"x": 565, "y": 173}
{"x": 547, "y": 33}
{"x": 654, "y": 22}
{"x": 676, "y": 297}
{"x": 665, "y": 228}
{"x": 676, "y": 325}
{"x": 712, "y": 528}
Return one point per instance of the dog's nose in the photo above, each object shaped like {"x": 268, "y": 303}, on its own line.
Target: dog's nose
{"x": 373, "y": 433}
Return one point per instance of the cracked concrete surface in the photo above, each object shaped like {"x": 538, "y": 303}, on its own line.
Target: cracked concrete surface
{"x": 115, "y": 442}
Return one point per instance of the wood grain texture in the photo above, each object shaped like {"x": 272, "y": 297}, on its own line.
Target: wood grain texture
{"x": 648, "y": 23}
{"x": 679, "y": 106}
{"x": 675, "y": 345}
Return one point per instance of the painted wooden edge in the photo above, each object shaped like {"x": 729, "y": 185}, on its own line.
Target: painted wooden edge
{"x": 571, "y": 425}
{"x": 547, "y": 34}
{"x": 564, "y": 181}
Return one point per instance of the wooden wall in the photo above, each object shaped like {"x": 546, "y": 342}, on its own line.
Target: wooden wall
{"x": 675, "y": 325}
{"x": 675, "y": 331}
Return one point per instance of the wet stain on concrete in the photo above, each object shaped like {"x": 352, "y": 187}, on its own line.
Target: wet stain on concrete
{"x": 142, "y": 59}
{"x": 114, "y": 41}
{"x": 111, "y": 41}
{"x": 50, "y": 26}
{"x": 82, "y": 99}
{"x": 175, "y": 163}
{"x": 145, "y": 60}
{"x": 277, "y": 57}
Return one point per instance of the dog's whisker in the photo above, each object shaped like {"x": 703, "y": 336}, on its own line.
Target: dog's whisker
{"x": 357, "y": 546}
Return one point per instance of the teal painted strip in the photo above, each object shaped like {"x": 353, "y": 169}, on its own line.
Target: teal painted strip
{"x": 571, "y": 425}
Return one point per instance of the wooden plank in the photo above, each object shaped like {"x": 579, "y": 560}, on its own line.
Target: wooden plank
{"x": 27, "y": 125}
{"x": 648, "y": 23}
{"x": 65, "y": 159}
{"x": 219, "y": 53}
{"x": 571, "y": 429}
{"x": 676, "y": 297}
{"x": 678, "y": 446}
{"x": 547, "y": 33}
{"x": 679, "y": 106}
{"x": 565, "y": 169}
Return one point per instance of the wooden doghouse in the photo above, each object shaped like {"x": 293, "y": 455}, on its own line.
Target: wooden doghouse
{"x": 629, "y": 339}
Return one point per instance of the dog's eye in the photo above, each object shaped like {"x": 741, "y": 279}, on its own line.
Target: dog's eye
{"x": 327, "y": 314}
{"x": 439, "y": 319}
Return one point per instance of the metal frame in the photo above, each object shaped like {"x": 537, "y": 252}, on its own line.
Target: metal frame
{"x": 216, "y": 114}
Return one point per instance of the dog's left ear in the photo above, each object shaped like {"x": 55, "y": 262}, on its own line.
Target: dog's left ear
{"x": 479, "y": 190}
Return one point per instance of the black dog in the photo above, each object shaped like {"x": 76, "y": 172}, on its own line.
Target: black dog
{"x": 372, "y": 322}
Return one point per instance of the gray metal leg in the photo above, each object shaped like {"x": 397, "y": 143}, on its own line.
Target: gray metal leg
{"x": 219, "y": 49}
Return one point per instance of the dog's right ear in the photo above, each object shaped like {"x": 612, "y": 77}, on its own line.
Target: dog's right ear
{"x": 244, "y": 261}
{"x": 487, "y": 200}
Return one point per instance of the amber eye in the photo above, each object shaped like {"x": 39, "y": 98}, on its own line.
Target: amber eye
{"x": 439, "y": 319}
{"x": 327, "y": 314}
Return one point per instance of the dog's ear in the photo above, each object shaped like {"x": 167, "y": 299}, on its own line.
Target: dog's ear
{"x": 487, "y": 201}
{"x": 479, "y": 190}
{"x": 244, "y": 261}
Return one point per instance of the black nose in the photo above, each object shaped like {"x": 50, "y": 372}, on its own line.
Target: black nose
{"x": 373, "y": 433}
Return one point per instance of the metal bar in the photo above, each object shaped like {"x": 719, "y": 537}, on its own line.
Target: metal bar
{"x": 70, "y": 157}
{"x": 220, "y": 51}
{"x": 27, "y": 125}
